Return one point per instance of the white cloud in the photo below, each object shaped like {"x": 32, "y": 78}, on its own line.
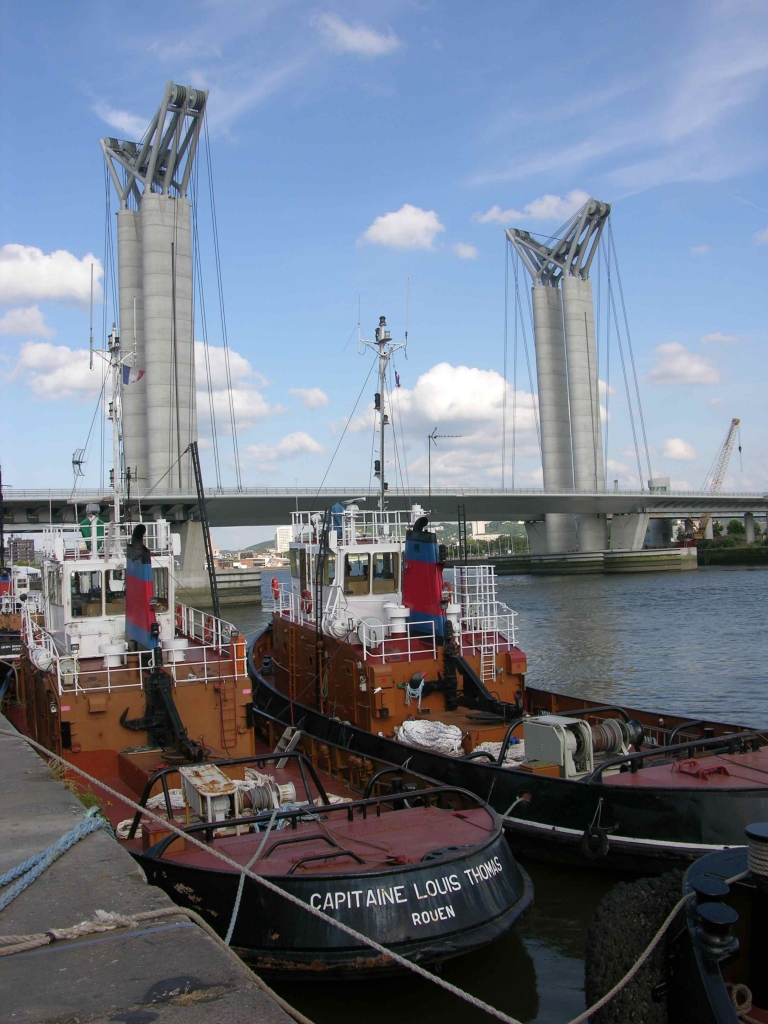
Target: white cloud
{"x": 55, "y": 371}
{"x": 25, "y": 322}
{"x": 677, "y": 449}
{"x": 546, "y": 207}
{"x": 27, "y": 274}
{"x": 129, "y": 125}
{"x": 298, "y": 443}
{"x": 680, "y": 485}
{"x": 717, "y": 337}
{"x": 459, "y": 400}
{"x": 248, "y": 402}
{"x": 311, "y": 398}
{"x": 761, "y": 236}
{"x": 357, "y": 38}
{"x": 410, "y": 227}
{"x": 716, "y": 402}
{"x": 675, "y": 364}
{"x": 700, "y": 250}
{"x": 605, "y": 388}
{"x": 465, "y": 251}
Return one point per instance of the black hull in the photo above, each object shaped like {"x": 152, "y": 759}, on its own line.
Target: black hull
{"x": 697, "y": 988}
{"x": 654, "y": 829}
{"x": 458, "y": 911}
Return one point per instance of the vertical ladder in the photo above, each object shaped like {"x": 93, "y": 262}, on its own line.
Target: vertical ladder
{"x": 463, "y": 548}
{"x": 228, "y": 706}
{"x": 487, "y": 658}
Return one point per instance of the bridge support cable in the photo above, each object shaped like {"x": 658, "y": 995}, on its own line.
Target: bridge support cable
{"x": 607, "y": 361}
{"x": 519, "y": 315}
{"x": 197, "y": 277}
{"x": 612, "y": 303}
{"x": 612, "y": 244}
{"x": 225, "y": 341}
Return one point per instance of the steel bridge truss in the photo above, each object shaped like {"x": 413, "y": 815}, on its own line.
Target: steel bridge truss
{"x": 570, "y": 252}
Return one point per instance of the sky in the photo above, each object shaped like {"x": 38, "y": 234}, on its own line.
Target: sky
{"x": 366, "y": 159}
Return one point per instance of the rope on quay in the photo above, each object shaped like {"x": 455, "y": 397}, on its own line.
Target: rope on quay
{"x": 30, "y": 870}
{"x": 359, "y": 936}
{"x": 105, "y": 920}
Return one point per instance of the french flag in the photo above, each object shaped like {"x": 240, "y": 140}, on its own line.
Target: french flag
{"x": 131, "y": 374}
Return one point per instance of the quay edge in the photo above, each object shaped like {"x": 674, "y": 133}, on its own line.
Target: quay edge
{"x": 169, "y": 968}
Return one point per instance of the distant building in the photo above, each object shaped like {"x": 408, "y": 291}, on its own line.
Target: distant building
{"x": 20, "y": 552}
{"x": 283, "y": 538}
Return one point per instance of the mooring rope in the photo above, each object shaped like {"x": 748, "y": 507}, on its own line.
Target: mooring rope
{"x": 106, "y": 920}
{"x": 30, "y": 870}
{"x": 359, "y": 936}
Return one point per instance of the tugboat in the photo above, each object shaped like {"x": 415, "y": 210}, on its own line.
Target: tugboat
{"x": 153, "y": 699}
{"x": 717, "y": 961}
{"x": 373, "y": 646}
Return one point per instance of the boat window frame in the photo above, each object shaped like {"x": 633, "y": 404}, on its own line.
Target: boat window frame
{"x": 357, "y": 586}
{"x": 109, "y": 606}
{"x": 160, "y": 588}
{"x": 78, "y": 612}
{"x": 329, "y": 577}
{"x": 385, "y": 585}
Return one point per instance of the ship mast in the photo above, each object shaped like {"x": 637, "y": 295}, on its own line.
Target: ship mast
{"x": 384, "y": 348}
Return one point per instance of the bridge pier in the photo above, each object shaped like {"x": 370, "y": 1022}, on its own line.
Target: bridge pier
{"x": 628, "y": 532}
{"x": 749, "y": 527}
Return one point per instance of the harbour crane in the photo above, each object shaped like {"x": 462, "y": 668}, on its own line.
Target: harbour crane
{"x": 717, "y": 472}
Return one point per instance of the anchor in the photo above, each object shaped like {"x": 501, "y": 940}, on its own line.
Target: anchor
{"x": 161, "y": 719}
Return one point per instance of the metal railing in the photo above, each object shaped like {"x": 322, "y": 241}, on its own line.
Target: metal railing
{"x": 69, "y": 543}
{"x": 351, "y": 526}
{"x": 378, "y": 641}
{"x": 223, "y": 652}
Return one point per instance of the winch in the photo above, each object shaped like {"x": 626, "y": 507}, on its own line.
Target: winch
{"x": 575, "y": 745}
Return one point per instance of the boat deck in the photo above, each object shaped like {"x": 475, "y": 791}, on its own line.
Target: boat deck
{"x": 714, "y": 771}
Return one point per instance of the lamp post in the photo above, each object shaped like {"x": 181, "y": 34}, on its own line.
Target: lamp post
{"x": 432, "y": 439}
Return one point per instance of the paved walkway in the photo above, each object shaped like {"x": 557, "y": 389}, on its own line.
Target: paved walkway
{"x": 169, "y": 971}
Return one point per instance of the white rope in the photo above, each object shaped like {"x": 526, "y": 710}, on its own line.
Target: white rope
{"x": 109, "y": 920}
{"x": 364, "y": 939}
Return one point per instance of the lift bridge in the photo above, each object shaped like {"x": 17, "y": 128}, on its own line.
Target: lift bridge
{"x": 569, "y": 514}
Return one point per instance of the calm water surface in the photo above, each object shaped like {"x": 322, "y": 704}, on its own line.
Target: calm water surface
{"x": 690, "y": 643}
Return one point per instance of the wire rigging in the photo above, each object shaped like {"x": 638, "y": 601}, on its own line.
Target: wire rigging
{"x": 504, "y": 374}
{"x": 346, "y": 427}
{"x": 631, "y": 350}
{"x": 198, "y": 276}
{"x": 225, "y": 341}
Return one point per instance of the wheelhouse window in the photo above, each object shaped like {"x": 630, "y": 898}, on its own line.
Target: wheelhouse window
{"x": 53, "y": 585}
{"x": 329, "y": 574}
{"x": 293, "y": 554}
{"x": 114, "y": 595}
{"x": 86, "y": 593}
{"x": 357, "y": 572}
{"x": 160, "y": 583}
{"x": 385, "y": 568}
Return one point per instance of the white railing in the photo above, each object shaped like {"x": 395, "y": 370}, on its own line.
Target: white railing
{"x": 69, "y": 543}
{"x": 203, "y": 628}
{"x": 220, "y": 660}
{"x": 351, "y": 526}
{"x": 486, "y": 622}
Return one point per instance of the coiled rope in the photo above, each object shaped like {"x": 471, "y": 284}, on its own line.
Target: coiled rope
{"x": 30, "y": 870}
{"x": 359, "y": 936}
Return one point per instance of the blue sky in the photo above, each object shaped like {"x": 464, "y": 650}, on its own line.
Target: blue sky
{"x": 357, "y": 146}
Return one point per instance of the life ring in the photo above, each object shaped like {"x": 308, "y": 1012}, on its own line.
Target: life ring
{"x": 208, "y": 629}
{"x": 306, "y": 602}
{"x": 447, "y": 594}
{"x": 275, "y": 588}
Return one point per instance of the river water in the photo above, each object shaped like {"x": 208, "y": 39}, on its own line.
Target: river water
{"x": 690, "y": 643}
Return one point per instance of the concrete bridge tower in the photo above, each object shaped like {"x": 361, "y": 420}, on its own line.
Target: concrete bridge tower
{"x": 566, "y": 369}
{"x": 154, "y": 255}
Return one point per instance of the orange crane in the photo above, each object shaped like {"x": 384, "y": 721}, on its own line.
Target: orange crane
{"x": 714, "y": 480}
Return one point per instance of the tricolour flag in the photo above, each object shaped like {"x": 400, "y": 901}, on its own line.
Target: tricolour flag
{"x": 397, "y": 378}
{"x": 131, "y": 374}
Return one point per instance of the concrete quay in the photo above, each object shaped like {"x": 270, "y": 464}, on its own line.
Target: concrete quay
{"x": 169, "y": 971}
{"x": 578, "y": 562}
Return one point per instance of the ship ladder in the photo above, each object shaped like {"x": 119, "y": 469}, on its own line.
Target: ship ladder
{"x": 487, "y": 658}
{"x": 228, "y": 707}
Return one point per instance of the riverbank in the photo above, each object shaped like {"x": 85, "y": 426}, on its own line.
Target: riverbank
{"x": 754, "y": 554}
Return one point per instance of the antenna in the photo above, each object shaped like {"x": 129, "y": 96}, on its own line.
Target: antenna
{"x": 78, "y": 463}
{"x": 90, "y": 347}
